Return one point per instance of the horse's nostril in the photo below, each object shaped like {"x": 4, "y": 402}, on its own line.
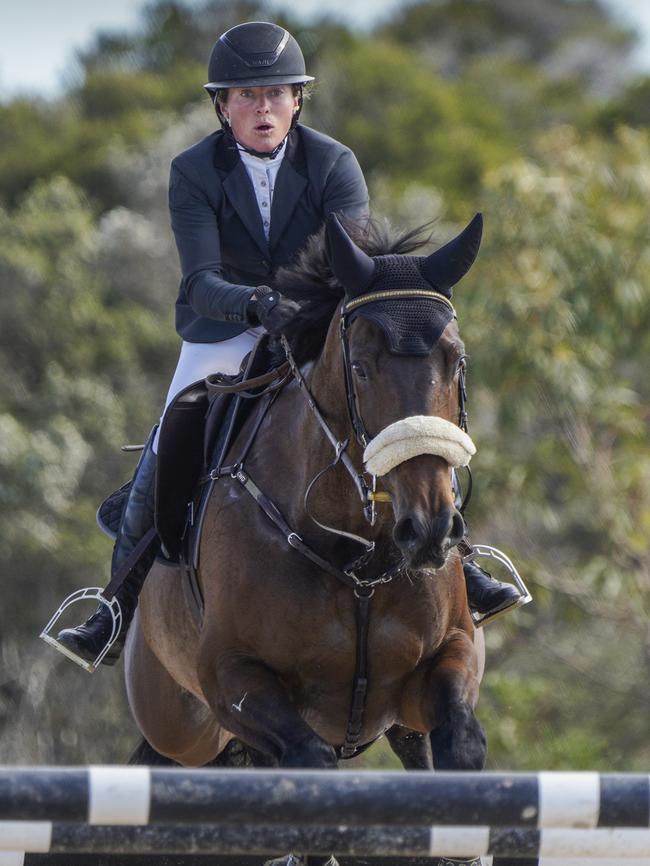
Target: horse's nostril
{"x": 405, "y": 533}
{"x": 457, "y": 531}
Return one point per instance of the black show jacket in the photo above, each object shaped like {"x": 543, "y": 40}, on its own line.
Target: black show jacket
{"x": 218, "y": 227}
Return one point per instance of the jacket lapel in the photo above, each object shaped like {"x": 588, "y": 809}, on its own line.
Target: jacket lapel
{"x": 289, "y": 186}
{"x": 239, "y": 189}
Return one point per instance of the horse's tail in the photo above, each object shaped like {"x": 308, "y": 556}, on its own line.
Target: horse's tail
{"x": 145, "y": 755}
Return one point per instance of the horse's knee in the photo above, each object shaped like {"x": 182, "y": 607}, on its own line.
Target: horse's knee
{"x": 459, "y": 741}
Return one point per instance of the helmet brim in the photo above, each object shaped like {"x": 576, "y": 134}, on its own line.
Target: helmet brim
{"x": 268, "y": 80}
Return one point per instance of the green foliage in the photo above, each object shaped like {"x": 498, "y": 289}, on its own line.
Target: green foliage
{"x": 406, "y": 123}
{"x": 119, "y": 94}
{"x": 563, "y": 261}
{"x": 75, "y": 365}
{"x": 630, "y": 108}
{"x": 456, "y": 32}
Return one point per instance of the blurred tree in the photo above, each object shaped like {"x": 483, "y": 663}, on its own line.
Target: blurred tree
{"x": 556, "y": 321}
{"x": 85, "y": 368}
{"x": 629, "y": 108}
{"x": 567, "y": 38}
{"x": 405, "y": 123}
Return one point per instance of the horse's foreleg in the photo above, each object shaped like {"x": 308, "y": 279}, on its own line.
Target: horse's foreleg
{"x": 250, "y": 700}
{"x": 447, "y": 700}
{"x": 174, "y": 722}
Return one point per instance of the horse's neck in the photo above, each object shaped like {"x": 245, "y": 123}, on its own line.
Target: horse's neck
{"x": 326, "y": 380}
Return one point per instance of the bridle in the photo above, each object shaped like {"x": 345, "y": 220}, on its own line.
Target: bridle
{"x": 365, "y": 484}
{"x": 349, "y": 307}
{"x": 351, "y": 395}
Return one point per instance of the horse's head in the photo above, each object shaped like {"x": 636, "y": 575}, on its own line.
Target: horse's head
{"x": 404, "y": 363}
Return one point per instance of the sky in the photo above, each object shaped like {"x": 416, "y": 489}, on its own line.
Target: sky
{"x": 38, "y": 38}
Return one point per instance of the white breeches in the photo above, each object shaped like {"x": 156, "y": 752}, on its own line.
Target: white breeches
{"x": 198, "y": 360}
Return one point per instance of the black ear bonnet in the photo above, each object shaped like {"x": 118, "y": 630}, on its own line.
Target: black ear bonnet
{"x": 412, "y": 325}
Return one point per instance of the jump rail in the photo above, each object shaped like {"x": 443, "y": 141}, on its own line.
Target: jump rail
{"x": 140, "y": 795}
{"x": 382, "y": 841}
{"x": 20, "y": 859}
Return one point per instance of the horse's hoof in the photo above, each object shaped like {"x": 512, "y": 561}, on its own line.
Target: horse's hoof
{"x": 475, "y": 861}
{"x": 294, "y": 860}
{"x": 289, "y": 860}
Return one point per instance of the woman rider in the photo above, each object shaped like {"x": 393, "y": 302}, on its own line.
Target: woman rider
{"x": 243, "y": 201}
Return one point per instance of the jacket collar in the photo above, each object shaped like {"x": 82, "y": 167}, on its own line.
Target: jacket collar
{"x": 289, "y": 186}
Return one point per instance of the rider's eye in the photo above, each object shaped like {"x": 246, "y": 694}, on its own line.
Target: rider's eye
{"x": 359, "y": 370}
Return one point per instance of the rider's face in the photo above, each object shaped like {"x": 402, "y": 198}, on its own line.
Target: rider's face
{"x": 260, "y": 117}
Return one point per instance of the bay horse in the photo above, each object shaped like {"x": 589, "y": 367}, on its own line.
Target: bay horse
{"x": 275, "y": 659}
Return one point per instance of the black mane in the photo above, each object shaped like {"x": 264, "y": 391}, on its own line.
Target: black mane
{"x": 311, "y": 283}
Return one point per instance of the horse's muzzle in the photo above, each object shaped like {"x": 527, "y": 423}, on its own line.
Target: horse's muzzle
{"x": 426, "y": 542}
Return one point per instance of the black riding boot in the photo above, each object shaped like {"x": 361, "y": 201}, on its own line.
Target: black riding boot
{"x": 88, "y": 640}
{"x": 486, "y": 595}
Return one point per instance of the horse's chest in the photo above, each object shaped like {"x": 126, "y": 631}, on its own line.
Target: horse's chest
{"x": 396, "y": 644}
{"x": 394, "y": 647}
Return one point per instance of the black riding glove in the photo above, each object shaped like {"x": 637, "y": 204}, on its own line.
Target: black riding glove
{"x": 269, "y": 308}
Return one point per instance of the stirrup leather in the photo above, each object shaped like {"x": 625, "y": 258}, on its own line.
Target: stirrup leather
{"x": 478, "y": 551}
{"x": 93, "y": 593}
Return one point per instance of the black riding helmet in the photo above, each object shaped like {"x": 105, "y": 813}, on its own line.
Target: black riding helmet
{"x": 255, "y": 54}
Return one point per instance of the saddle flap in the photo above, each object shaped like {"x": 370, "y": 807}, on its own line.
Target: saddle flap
{"x": 231, "y": 406}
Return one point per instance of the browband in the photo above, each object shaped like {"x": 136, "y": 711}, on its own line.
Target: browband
{"x": 387, "y": 295}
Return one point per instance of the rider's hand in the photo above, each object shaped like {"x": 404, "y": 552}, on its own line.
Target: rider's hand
{"x": 269, "y": 308}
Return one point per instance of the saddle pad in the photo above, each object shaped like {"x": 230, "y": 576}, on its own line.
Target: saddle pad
{"x": 109, "y": 512}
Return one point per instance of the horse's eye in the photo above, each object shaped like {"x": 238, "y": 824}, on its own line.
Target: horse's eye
{"x": 359, "y": 371}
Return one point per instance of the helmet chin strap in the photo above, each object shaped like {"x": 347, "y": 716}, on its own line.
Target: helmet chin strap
{"x": 263, "y": 154}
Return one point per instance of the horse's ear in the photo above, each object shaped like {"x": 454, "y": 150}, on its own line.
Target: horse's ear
{"x": 351, "y": 266}
{"x": 444, "y": 268}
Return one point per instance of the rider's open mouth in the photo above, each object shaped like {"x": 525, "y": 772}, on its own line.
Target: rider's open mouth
{"x": 264, "y": 127}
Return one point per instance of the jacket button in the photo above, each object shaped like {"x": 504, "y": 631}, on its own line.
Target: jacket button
{"x": 266, "y": 263}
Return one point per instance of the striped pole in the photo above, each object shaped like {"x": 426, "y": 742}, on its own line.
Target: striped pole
{"x": 382, "y": 841}
{"x": 141, "y": 795}
{"x": 99, "y": 859}
{"x": 20, "y": 859}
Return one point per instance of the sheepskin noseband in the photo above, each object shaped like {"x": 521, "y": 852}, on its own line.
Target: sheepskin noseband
{"x": 419, "y": 434}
